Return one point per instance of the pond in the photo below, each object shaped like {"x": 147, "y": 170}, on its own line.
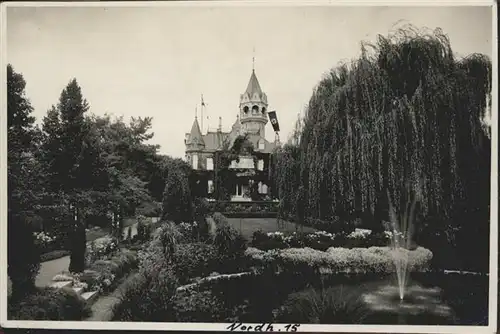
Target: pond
{"x": 432, "y": 299}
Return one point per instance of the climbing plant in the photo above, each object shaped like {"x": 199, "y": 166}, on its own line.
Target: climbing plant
{"x": 225, "y": 177}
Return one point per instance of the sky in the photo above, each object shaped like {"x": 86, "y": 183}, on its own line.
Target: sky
{"x": 157, "y": 61}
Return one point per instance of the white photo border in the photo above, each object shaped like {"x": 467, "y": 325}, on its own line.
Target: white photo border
{"x": 88, "y": 325}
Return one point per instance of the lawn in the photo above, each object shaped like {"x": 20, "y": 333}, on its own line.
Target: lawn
{"x": 247, "y": 226}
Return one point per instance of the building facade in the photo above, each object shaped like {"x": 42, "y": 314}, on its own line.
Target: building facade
{"x": 247, "y": 173}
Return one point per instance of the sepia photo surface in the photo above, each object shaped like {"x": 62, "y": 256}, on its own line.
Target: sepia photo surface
{"x": 249, "y": 166}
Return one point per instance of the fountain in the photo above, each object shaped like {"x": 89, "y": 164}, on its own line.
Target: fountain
{"x": 401, "y": 234}
{"x": 404, "y": 303}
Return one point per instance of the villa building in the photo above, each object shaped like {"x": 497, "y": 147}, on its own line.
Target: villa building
{"x": 251, "y": 120}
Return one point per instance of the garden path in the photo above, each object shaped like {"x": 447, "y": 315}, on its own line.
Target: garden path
{"x": 49, "y": 269}
{"x": 102, "y": 309}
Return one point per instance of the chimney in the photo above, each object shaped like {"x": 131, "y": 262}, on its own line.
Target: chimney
{"x": 220, "y": 125}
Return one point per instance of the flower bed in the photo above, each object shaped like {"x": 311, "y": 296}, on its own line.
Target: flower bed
{"x": 319, "y": 240}
{"x": 106, "y": 273}
{"x": 100, "y": 249}
{"x": 260, "y": 209}
{"x": 340, "y": 260}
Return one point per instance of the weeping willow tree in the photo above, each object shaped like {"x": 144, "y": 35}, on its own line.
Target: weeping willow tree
{"x": 407, "y": 112}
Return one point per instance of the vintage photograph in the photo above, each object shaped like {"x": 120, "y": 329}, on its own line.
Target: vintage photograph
{"x": 243, "y": 164}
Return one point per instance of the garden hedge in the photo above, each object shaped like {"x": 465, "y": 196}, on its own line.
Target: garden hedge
{"x": 340, "y": 260}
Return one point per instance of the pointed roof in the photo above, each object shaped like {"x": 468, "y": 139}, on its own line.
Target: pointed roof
{"x": 195, "y": 136}
{"x": 253, "y": 85}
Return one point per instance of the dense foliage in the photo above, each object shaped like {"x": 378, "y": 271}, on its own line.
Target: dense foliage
{"x": 73, "y": 170}
{"x": 406, "y": 116}
{"x": 50, "y": 304}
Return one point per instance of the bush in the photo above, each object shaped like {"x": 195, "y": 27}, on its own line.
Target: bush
{"x": 334, "y": 305}
{"x": 44, "y": 241}
{"x": 195, "y": 260}
{"x": 23, "y": 256}
{"x": 149, "y": 209}
{"x": 194, "y": 306}
{"x": 51, "y": 304}
{"x": 147, "y": 296}
{"x": 340, "y": 260}
{"x": 103, "y": 275}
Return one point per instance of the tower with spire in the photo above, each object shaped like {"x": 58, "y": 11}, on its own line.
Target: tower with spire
{"x": 253, "y": 108}
{"x": 250, "y": 120}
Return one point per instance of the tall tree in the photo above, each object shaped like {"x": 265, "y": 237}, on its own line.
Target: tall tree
{"x": 22, "y": 256}
{"x": 69, "y": 170}
{"x": 406, "y": 112}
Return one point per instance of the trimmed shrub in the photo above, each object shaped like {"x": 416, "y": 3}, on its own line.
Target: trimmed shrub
{"x": 334, "y": 305}
{"x": 103, "y": 275}
{"x": 50, "y": 304}
{"x": 194, "y": 260}
{"x": 340, "y": 260}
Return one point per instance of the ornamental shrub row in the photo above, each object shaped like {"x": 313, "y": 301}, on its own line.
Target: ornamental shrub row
{"x": 103, "y": 275}
{"x": 339, "y": 260}
{"x": 319, "y": 240}
{"x": 250, "y": 207}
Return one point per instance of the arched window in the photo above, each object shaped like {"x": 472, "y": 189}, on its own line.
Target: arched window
{"x": 255, "y": 109}
{"x": 245, "y": 109}
{"x": 263, "y": 110}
